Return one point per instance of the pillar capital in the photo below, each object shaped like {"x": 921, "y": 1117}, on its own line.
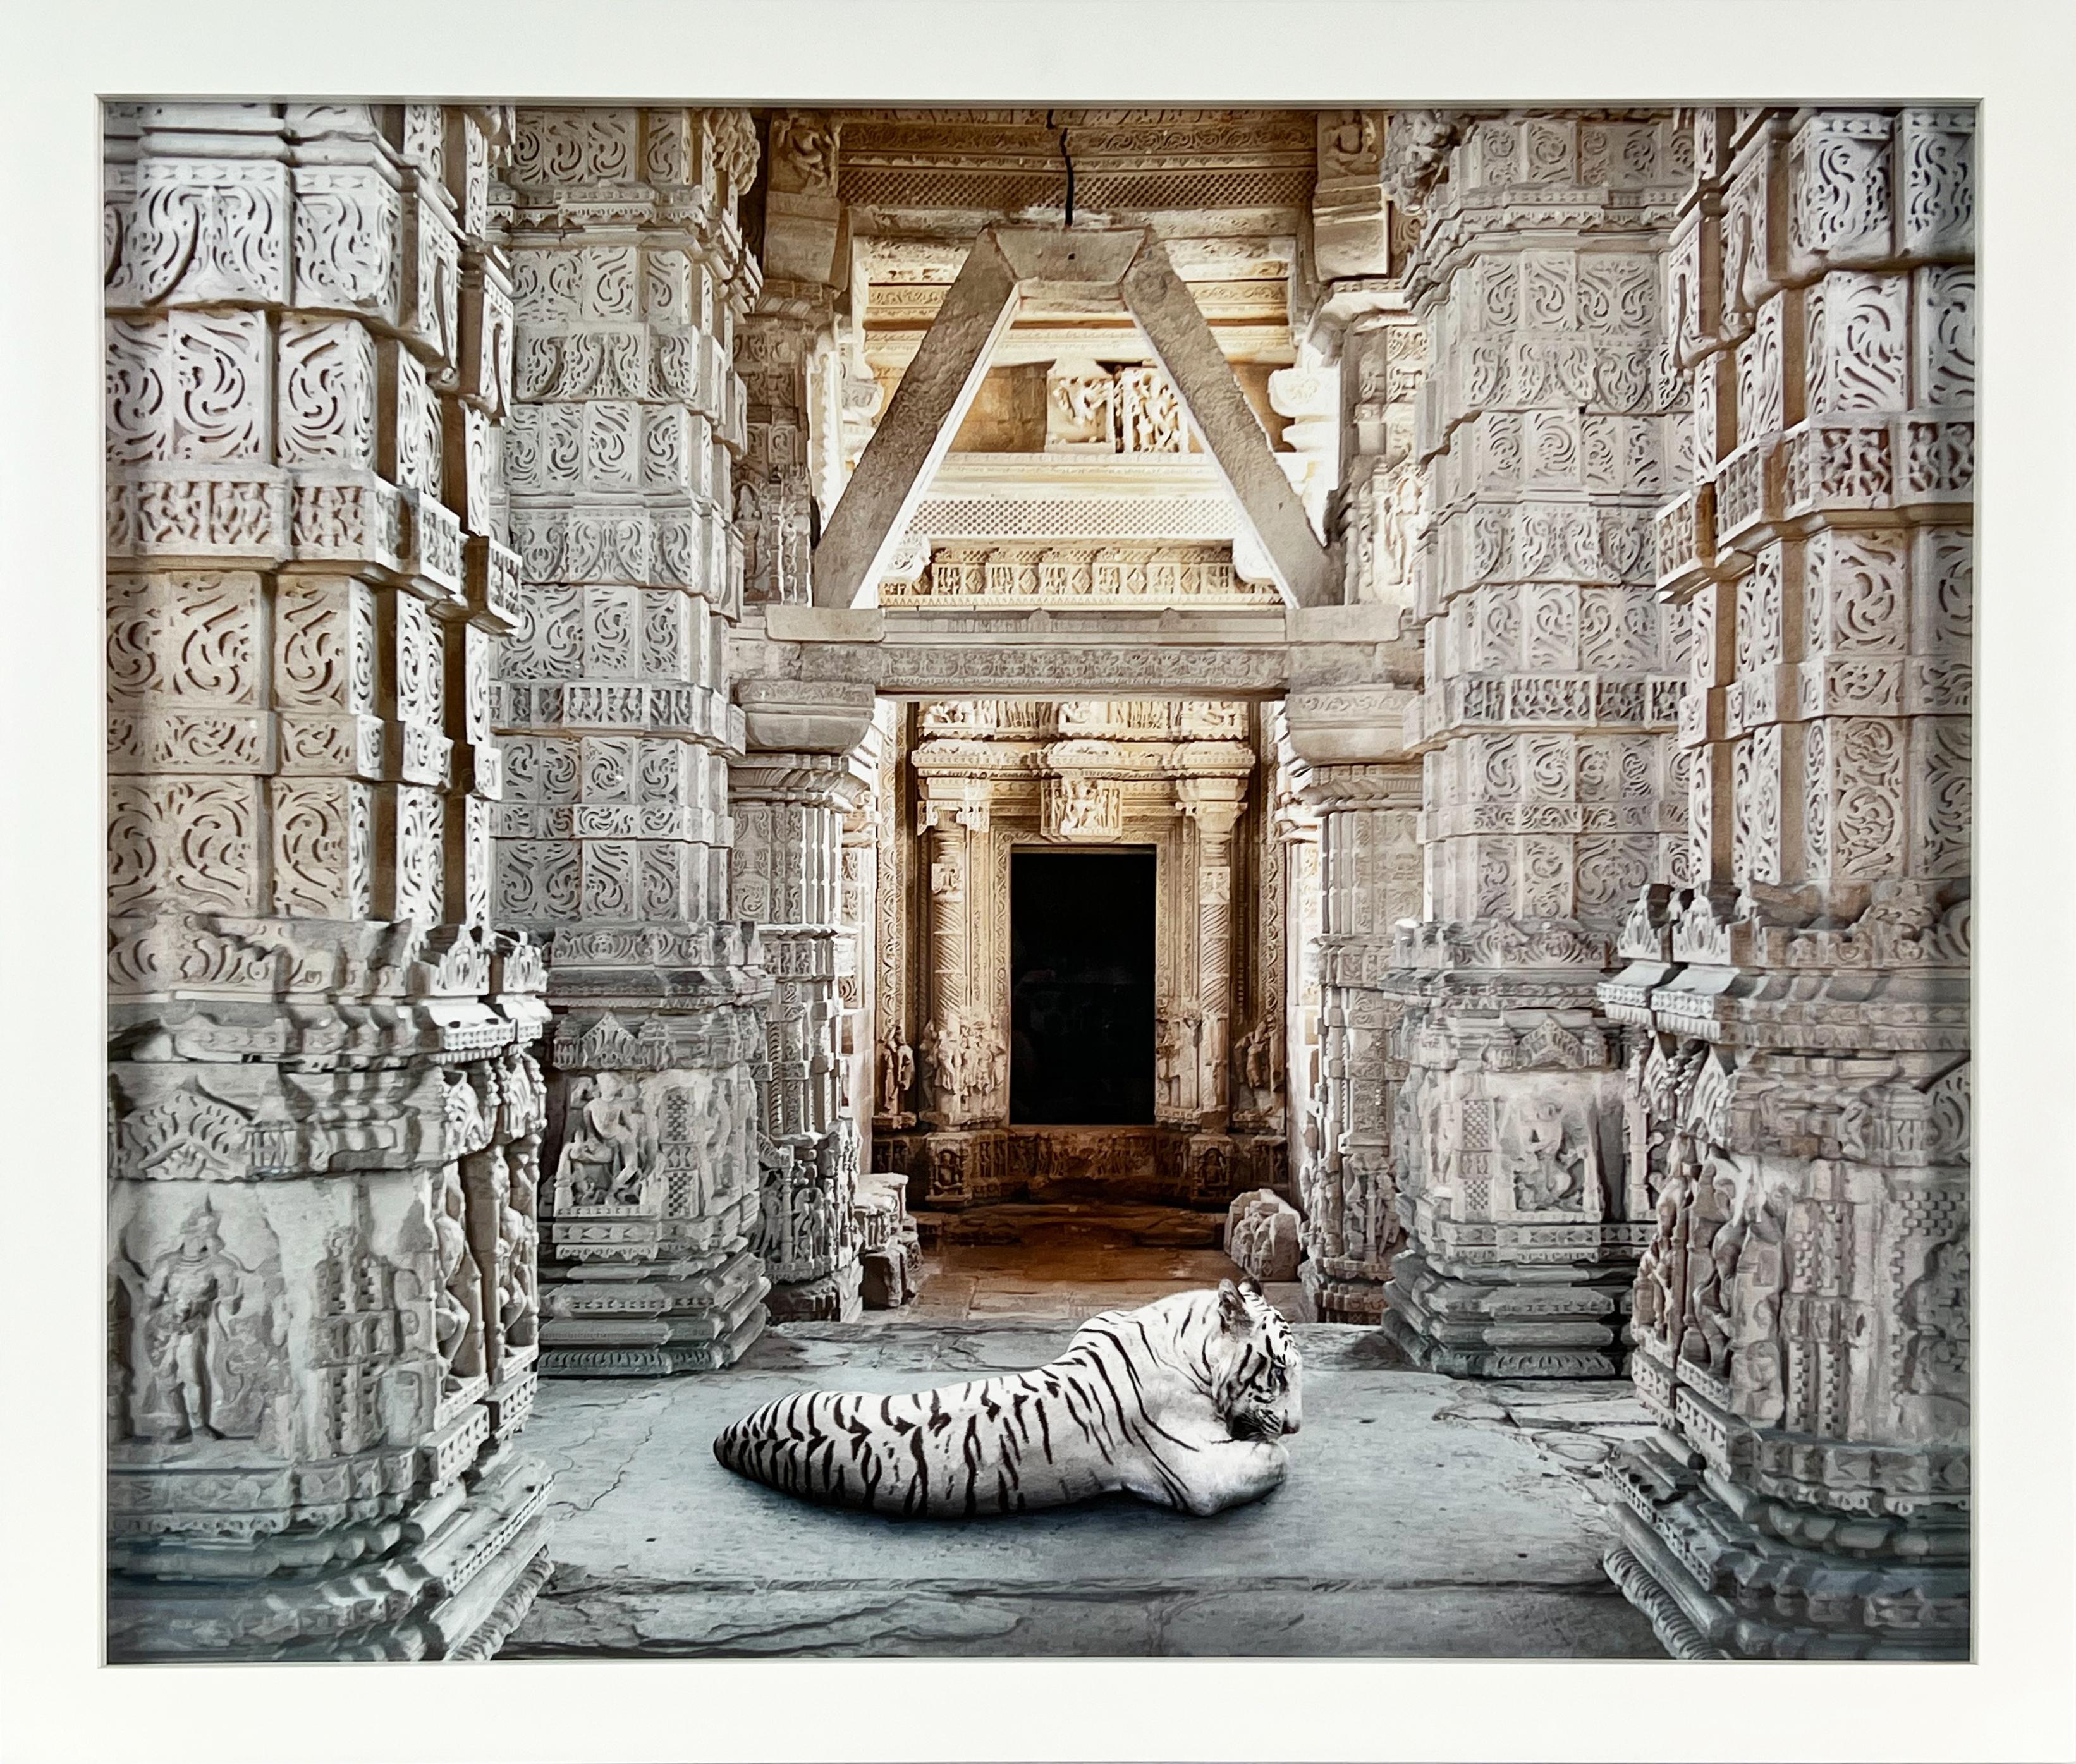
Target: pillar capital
{"x": 1344, "y": 725}
{"x": 1215, "y": 803}
{"x": 805, "y": 717}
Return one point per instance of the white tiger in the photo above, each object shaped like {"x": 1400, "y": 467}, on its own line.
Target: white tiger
{"x": 1184, "y": 1403}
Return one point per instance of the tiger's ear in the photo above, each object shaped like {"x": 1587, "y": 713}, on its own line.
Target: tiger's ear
{"x": 1249, "y": 1284}
{"x": 1232, "y": 1308}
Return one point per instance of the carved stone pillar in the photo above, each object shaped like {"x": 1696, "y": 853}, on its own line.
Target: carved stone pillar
{"x": 1295, "y": 830}
{"x": 856, "y": 916}
{"x": 894, "y": 1069}
{"x": 791, "y": 364}
{"x": 774, "y": 502}
{"x": 802, "y": 774}
{"x": 1385, "y": 363}
{"x": 1353, "y": 775}
{"x": 1799, "y": 1100}
{"x": 324, "y": 1123}
{"x": 629, "y": 277}
{"x": 1277, "y": 900}
{"x": 1551, "y": 418}
{"x": 1214, "y": 804}
{"x": 873, "y": 1067}
{"x": 960, "y": 1053}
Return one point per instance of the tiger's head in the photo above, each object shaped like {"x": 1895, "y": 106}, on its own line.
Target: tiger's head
{"x": 1259, "y": 1366}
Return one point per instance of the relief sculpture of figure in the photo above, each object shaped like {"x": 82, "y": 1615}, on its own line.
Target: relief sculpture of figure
{"x": 468, "y": 1127}
{"x": 1935, "y": 1310}
{"x": 758, "y": 567}
{"x": 602, "y": 1152}
{"x": 526, "y": 1096}
{"x": 1397, "y": 521}
{"x": 1174, "y": 1050}
{"x": 932, "y": 1065}
{"x": 897, "y": 1073}
{"x": 1257, "y": 1059}
{"x": 1706, "y": 1305}
{"x": 993, "y": 1060}
{"x": 1661, "y": 1296}
{"x": 1713, "y": 1306}
{"x": 457, "y": 1304}
{"x": 1085, "y": 402}
{"x": 955, "y": 1059}
{"x": 182, "y": 1290}
{"x": 1758, "y": 1389}
{"x": 211, "y": 1344}
{"x": 1546, "y": 1154}
{"x": 522, "y": 1312}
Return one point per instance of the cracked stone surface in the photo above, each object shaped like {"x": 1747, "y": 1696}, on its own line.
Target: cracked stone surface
{"x": 1423, "y": 1516}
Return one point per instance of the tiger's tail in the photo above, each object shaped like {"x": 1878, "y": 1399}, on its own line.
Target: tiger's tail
{"x": 821, "y": 1445}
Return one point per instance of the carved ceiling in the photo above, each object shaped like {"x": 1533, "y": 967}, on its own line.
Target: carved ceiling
{"x": 1228, "y": 189}
{"x": 944, "y": 173}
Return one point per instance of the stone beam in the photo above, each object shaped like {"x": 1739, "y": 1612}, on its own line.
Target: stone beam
{"x": 1232, "y": 652}
{"x": 1168, "y": 314}
{"x": 1054, "y": 269}
{"x": 917, "y": 430}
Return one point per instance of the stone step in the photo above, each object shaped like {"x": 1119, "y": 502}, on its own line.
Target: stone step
{"x": 1068, "y": 1223}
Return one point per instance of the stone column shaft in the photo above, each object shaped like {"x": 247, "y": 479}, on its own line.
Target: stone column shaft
{"x": 630, "y": 276}
{"x": 893, "y": 1051}
{"x": 1348, "y": 763}
{"x": 1215, "y": 806}
{"x": 1798, "y": 1098}
{"x": 1551, "y": 418}
{"x": 805, "y": 768}
{"x": 959, "y": 1034}
{"x": 324, "y": 1121}
{"x": 1365, "y": 793}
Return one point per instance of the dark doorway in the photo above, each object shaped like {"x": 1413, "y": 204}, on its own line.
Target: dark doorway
{"x": 1081, "y": 966}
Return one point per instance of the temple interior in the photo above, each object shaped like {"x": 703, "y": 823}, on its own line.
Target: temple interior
{"x": 754, "y": 750}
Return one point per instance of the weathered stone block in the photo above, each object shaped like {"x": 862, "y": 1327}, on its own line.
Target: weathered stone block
{"x": 1262, "y": 1232}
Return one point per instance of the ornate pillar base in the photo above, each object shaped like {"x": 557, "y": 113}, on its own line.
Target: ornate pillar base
{"x": 1523, "y": 1226}
{"x": 890, "y": 1248}
{"x": 834, "y": 1297}
{"x": 1516, "y": 1323}
{"x": 697, "y": 1313}
{"x": 1342, "y": 1291}
{"x": 649, "y": 1267}
{"x": 469, "y": 1563}
{"x": 1724, "y": 1573}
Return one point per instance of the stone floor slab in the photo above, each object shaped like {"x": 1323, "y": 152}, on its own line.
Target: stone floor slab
{"x": 1404, "y": 1528}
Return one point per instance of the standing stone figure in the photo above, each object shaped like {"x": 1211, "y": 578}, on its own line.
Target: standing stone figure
{"x": 1171, "y": 1053}
{"x": 457, "y": 1304}
{"x": 181, "y": 1293}
{"x": 945, "y": 1055}
{"x": 209, "y": 1344}
{"x": 895, "y": 1055}
{"x": 928, "y": 1052}
{"x": 522, "y": 1312}
{"x": 602, "y": 1155}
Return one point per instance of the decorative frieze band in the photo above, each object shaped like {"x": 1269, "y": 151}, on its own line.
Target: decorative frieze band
{"x": 1077, "y": 575}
